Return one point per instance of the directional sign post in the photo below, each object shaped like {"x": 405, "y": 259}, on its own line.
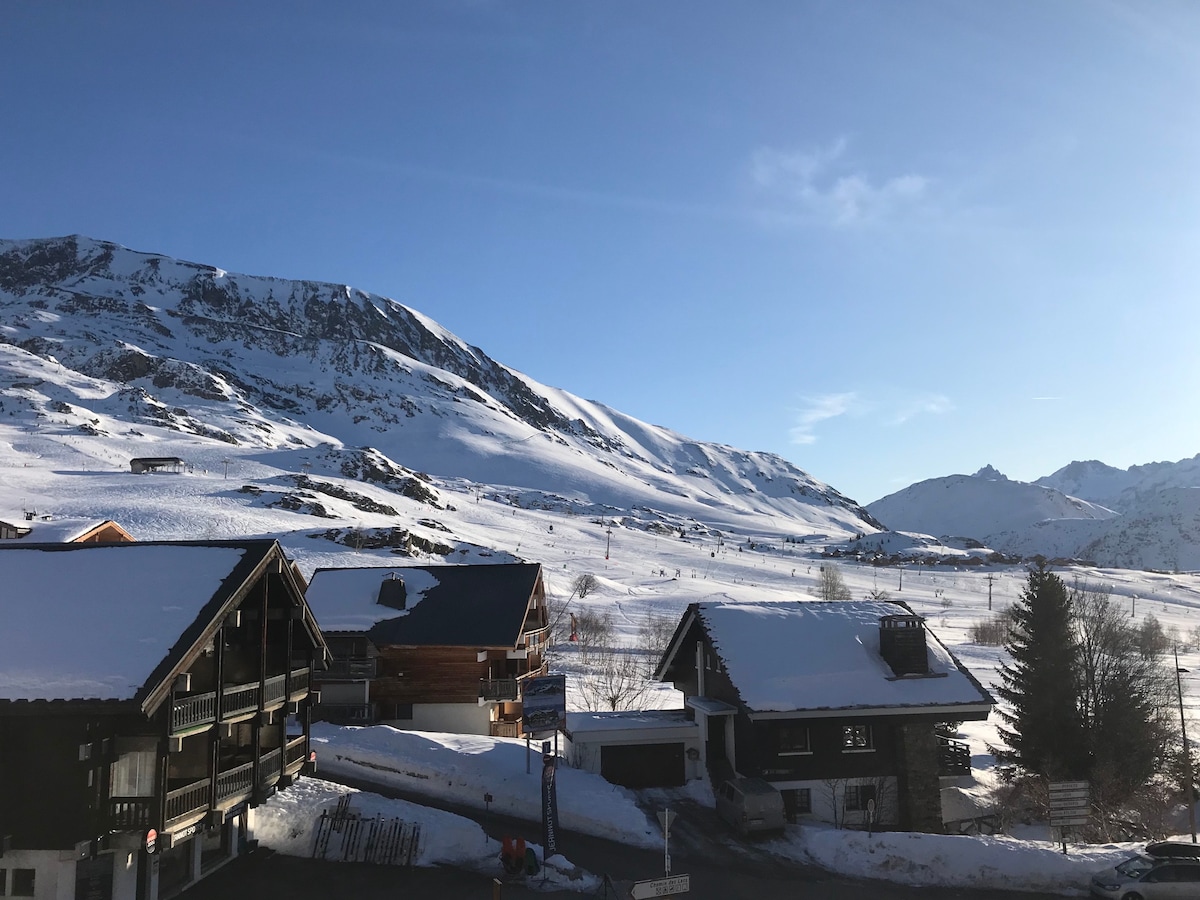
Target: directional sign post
{"x": 1070, "y": 805}
{"x": 661, "y": 887}
{"x": 666, "y": 817}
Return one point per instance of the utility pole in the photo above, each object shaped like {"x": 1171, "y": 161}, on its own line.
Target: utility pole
{"x": 1187, "y": 753}
{"x": 607, "y": 542}
{"x": 901, "y": 587}
{"x": 225, "y": 463}
{"x": 991, "y": 578}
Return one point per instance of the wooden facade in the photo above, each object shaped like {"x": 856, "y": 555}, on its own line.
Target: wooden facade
{"x": 457, "y": 673}
{"x": 164, "y": 782}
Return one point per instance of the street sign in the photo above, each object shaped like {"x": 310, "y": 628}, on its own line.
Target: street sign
{"x": 665, "y": 818}
{"x": 1070, "y": 803}
{"x": 1073, "y": 820}
{"x": 661, "y": 887}
{"x": 1069, "y": 786}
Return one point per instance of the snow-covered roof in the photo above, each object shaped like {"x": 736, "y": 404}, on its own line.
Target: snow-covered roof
{"x": 94, "y": 621}
{"x": 55, "y": 529}
{"x": 445, "y": 605}
{"x": 811, "y": 656}
{"x": 644, "y": 721}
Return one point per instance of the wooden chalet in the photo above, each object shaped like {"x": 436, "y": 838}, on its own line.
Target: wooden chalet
{"x": 431, "y": 648}
{"x": 834, "y": 703}
{"x": 151, "y": 695}
{"x": 44, "y": 529}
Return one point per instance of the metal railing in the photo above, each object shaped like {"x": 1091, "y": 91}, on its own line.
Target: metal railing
{"x": 498, "y": 689}
{"x": 193, "y": 712}
{"x": 238, "y": 780}
{"x": 128, "y": 813}
{"x": 237, "y": 699}
{"x": 189, "y": 799}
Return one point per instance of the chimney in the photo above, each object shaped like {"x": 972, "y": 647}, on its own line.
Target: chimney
{"x": 392, "y": 592}
{"x": 902, "y": 644}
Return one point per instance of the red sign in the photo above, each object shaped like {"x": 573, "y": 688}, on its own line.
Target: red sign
{"x": 151, "y": 840}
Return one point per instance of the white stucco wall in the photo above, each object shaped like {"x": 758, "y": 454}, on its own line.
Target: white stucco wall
{"x": 457, "y": 718}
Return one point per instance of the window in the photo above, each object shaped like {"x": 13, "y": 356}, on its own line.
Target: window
{"x": 793, "y": 739}
{"x": 404, "y": 712}
{"x": 3, "y": 882}
{"x": 133, "y": 774}
{"x": 858, "y": 795}
{"x": 22, "y": 882}
{"x": 856, "y": 737}
{"x": 803, "y": 800}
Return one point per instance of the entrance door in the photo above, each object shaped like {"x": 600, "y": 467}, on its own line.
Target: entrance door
{"x": 643, "y": 765}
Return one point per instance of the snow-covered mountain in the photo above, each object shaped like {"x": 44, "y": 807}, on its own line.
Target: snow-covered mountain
{"x": 136, "y": 348}
{"x": 978, "y": 505}
{"x": 1144, "y": 517}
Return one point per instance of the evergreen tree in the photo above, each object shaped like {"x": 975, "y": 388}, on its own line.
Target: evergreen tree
{"x": 1044, "y": 730}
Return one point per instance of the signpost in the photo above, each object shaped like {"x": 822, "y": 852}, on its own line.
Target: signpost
{"x": 1070, "y": 805}
{"x": 661, "y": 887}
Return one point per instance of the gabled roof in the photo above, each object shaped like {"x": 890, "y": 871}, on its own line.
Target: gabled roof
{"x": 820, "y": 658}
{"x": 68, "y": 529}
{"x": 116, "y": 621}
{"x": 446, "y": 606}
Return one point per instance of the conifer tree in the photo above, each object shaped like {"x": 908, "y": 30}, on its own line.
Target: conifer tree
{"x": 1044, "y": 730}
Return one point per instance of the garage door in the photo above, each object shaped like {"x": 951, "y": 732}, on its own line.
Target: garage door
{"x": 643, "y": 765}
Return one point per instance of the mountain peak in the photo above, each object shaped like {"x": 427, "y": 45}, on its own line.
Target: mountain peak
{"x": 991, "y": 473}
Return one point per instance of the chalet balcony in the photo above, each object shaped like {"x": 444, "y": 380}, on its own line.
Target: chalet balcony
{"x": 505, "y": 729}
{"x": 130, "y": 813}
{"x": 270, "y": 767}
{"x": 188, "y": 801}
{"x": 350, "y": 669}
{"x": 197, "y": 712}
{"x": 954, "y": 757}
{"x": 191, "y": 714}
{"x": 298, "y": 683}
{"x": 235, "y": 783}
{"x": 295, "y": 754}
{"x": 498, "y": 689}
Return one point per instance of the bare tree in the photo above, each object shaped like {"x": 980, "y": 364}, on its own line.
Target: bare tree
{"x": 830, "y": 585}
{"x": 615, "y": 680}
{"x": 653, "y": 638}
{"x": 585, "y": 584}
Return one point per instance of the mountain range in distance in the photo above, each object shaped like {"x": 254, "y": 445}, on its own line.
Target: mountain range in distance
{"x": 108, "y": 354}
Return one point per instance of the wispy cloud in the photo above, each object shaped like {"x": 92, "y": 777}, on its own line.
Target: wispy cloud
{"x": 1045, "y": 398}
{"x": 817, "y": 410}
{"x": 822, "y": 183}
{"x": 892, "y": 410}
{"x": 928, "y": 404}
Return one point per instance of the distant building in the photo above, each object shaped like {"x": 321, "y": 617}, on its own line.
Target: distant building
{"x": 151, "y": 696}
{"x": 48, "y": 529}
{"x": 143, "y": 464}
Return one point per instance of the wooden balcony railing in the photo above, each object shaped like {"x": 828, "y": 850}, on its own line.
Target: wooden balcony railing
{"x": 505, "y": 729}
{"x": 238, "y": 699}
{"x": 188, "y": 800}
{"x": 235, "y": 782}
{"x": 129, "y": 813}
{"x": 356, "y": 667}
{"x": 275, "y": 691}
{"x": 295, "y": 752}
{"x": 191, "y": 713}
{"x": 298, "y": 683}
{"x": 954, "y": 757}
{"x": 270, "y": 765}
{"x": 498, "y": 689}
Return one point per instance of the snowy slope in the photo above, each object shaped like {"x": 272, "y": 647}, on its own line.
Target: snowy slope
{"x": 135, "y": 340}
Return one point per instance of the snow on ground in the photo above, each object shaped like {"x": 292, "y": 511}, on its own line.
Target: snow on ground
{"x": 460, "y": 768}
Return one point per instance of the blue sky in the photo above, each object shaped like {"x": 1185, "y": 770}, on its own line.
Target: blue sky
{"x": 889, "y": 241}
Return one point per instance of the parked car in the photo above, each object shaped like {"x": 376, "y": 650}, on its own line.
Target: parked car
{"x": 1167, "y": 869}
{"x": 750, "y": 805}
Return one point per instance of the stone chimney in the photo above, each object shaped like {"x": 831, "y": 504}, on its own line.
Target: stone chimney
{"x": 902, "y": 644}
